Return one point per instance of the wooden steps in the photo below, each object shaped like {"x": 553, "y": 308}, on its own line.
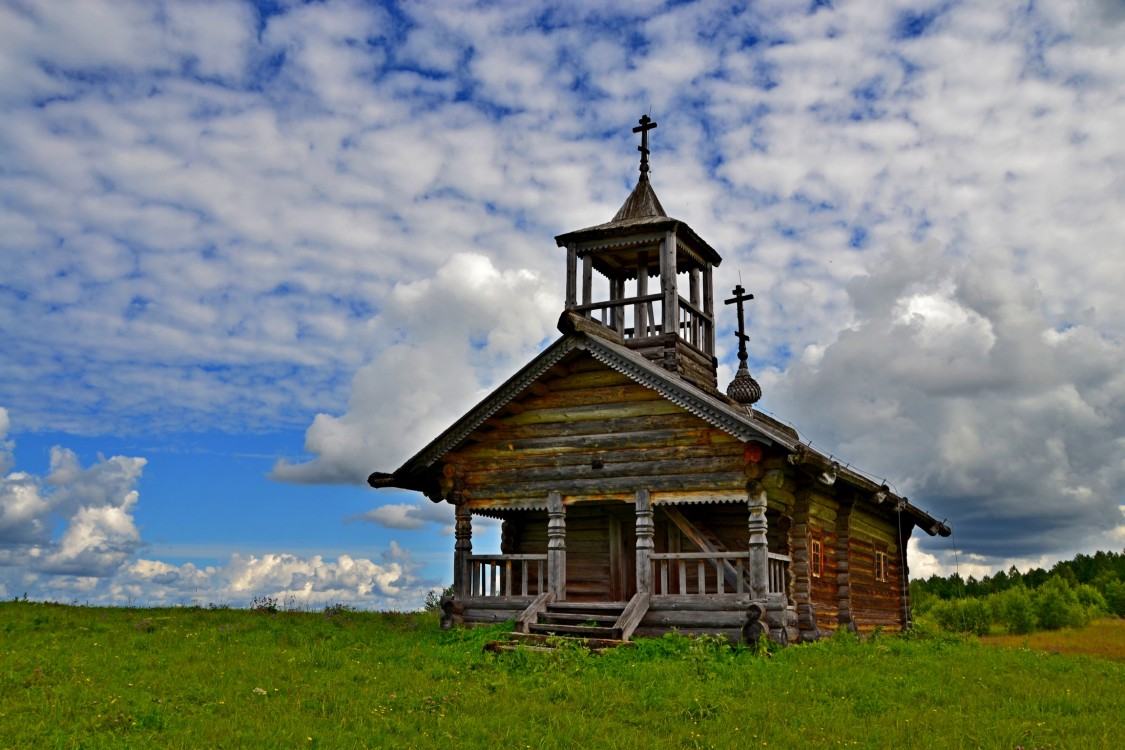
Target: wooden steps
{"x": 589, "y": 620}
{"x": 597, "y": 626}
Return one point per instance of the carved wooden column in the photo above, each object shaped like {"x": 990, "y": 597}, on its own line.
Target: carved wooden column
{"x": 759, "y": 545}
{"x": 646, "y": 530}
{"x": 556, "y": 546}
{"x": 462, "y": 548}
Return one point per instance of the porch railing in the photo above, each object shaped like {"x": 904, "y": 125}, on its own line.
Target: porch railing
{"x": 699, "y": 572}
{"x": 778, "y": 574}
{"x": 702, "y": 572}
{"x": 507, "y": 575}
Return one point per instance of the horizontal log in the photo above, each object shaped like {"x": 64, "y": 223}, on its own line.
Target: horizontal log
{"x": 505, "y": 459}
{"x": 662, "y": 431}
{"x": 487, "y": 477}
{"x": 604, "y": 395}
{"x": 706, "y": 603}
{"x": 592, "y": 379}
{"x": 694, "y": 618}
{"x": 631, "y": 434}
{"x": 492, "y": 615}
{"x": 496, "y": 602}
{"x": 595, "y": 412}
{"x": 597, "y": 486}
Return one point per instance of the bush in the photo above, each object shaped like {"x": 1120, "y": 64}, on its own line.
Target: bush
{"x": 1115, "y": 598}
{"x": 1015, "y": 610}
{"x": 963, "y": 616}
{"x": 1057, "y": 606}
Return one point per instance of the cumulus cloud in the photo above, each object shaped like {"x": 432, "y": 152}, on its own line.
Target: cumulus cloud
{"x": 410, "y": 516}
{"x": 92, "y": 505}
{"x": 954, "y": 383}
{"x": 455, "y": 336}
{"x": 323, "y": 216}
{"x": 72, "y": 535}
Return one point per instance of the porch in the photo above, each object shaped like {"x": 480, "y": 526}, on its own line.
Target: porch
{"x": 709, "y": 589}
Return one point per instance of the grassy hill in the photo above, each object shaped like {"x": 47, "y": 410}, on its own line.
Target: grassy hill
{"x": 87, "y": 677}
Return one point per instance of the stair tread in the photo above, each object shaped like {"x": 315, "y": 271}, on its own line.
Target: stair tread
{"x": 587, "y": 606}
{"x": 581, "y": 630}
{"x": 578, "y": 617}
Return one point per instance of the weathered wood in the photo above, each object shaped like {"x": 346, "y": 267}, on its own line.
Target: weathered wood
{"x": 556, "y": 545}
{"x": 587, "y": 279}
{"x": 693, "y": 618}
{"x": 571, "y": 276}
{"x": 531, "y": 614}
{"x": 644, "y": 546}
{"x": 700, "y": 539}
{"x": 623, "y": 485}
{"x": 759, "y": 544}
{"x": 486, "y": 475}
{"x": 632, "y": 615}
{"x": 709, "y": 602}
{"x": 669, "y": 303}
{"x": 462, "y": 549}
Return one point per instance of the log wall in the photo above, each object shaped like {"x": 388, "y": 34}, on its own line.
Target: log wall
{"x": 594, "y": 435}
{"x": 875, "y": 603}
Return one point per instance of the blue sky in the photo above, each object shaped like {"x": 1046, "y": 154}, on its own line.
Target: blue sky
{"x": 251, "y": 252}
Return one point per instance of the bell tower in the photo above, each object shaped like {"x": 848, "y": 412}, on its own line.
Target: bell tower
{"x": 644, "y": 280}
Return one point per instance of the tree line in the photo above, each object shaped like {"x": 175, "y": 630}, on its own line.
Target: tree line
{"x": 1070, "y": 594}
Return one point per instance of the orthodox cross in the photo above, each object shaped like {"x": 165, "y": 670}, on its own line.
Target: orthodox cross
{"x": 646, "y": 125}
{"x": 739, "y": 297}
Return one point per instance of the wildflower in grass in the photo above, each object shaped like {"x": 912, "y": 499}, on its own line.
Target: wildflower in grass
{"x": 259, "y": 691}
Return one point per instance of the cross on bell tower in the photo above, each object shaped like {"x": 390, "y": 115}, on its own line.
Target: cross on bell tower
{"x": 743, "y": 389}
{"x": 646, "y": 125}
{"x": 643, "y": 280}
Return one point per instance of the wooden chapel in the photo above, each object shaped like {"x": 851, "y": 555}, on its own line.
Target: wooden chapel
{"x": 637, "y": 497}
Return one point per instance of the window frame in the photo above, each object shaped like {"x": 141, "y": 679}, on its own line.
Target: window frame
{"x": 882, "y": 569}
{"x": 816, "y": 557}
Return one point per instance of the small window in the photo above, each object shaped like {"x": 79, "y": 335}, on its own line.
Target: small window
{"x": 880, "y": 566}
{"x": 816, "y": 558}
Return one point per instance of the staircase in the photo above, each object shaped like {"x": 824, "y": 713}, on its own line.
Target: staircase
{"x": 580, "y": 620}
{"x": 594, "y": 625}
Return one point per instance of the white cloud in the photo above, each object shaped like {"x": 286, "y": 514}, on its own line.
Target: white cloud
{"x": 410, "y": 516}
{"x": 486, "y": 320}
{"x": 216, "y": 216}
{"x": 93, "y": 555}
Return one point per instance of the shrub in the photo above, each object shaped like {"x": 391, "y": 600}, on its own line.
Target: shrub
{"x": 1057, "y": 606}
{"x": 1115, "y": 598}
{"x": 1015, "y": 610}
{"x": 963, "y": 616}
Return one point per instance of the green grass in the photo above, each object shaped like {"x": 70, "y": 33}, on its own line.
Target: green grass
{"x": 75, "y": 677}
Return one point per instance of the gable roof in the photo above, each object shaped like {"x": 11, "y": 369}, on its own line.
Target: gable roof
{"x": 739, "y": 421}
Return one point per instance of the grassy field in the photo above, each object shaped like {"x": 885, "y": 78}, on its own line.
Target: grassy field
{"x": 1102, "y": 638}
{"x": 75, "y": 677}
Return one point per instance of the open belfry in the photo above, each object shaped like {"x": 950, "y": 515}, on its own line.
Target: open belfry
{"x": 635, "y": 495}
